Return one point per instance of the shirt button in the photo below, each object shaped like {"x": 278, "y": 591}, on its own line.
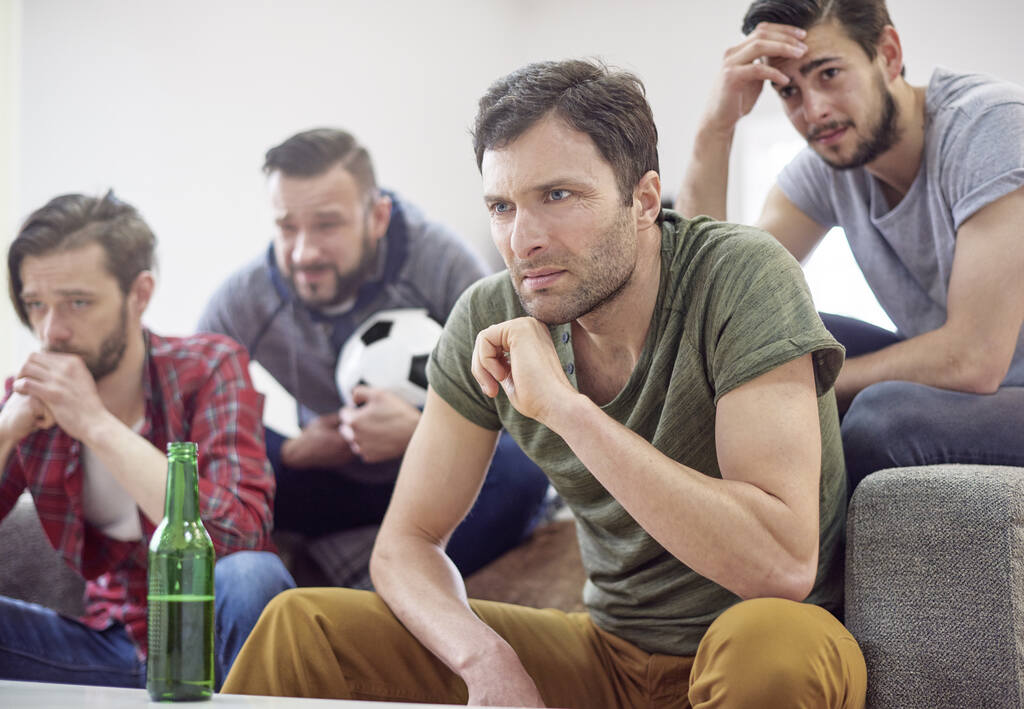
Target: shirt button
{"x": 569, "y": 369}
{"x": 565, "y": 337}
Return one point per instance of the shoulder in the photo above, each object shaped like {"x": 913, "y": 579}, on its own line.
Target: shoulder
{"x": 250, "y": 280}
{"x": 192, "y": 359}
{"x": 242, "y": 299}
{"x": 491, "y": 300}
{"x": 486, "y": 302}
{"x": 708, "y": 243}
{"x": 960, "y": 104}
{"x": 971, "y": 93}
{"x": 432, "y": 240}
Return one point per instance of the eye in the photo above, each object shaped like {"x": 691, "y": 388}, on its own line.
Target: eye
{"x": 500, "y": 207}
{"x": 786, "y": 92}
{"x": 80, "y": 303}
{"x": 32, "y": 306}
{"x": 287, "y": 229}
{"x": 830, "y": 73}
{"x": 327, "y": 226}
{"x": 559, "y": 195}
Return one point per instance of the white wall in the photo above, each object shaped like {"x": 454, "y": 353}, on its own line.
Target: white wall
{"x": 173, "y": 104}
{"x": 10, "y": 55}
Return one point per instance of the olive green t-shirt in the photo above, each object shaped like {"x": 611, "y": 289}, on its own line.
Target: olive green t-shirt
{"x": 732, "y": 305}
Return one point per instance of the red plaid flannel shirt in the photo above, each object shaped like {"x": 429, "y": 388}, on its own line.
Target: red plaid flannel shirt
{"x": 197, "y": 389}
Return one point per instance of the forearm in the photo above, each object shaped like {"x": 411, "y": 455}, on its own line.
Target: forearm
{"x": 941, "y": 358}
{"x": 705, "y": 184}
{"x": 6, "y": 448}
{"x": 729, "y": 531}
{"x": 136, "y": 463}
{"x": 424, "y": 590}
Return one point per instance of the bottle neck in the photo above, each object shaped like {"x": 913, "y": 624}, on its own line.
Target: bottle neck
{"x": 181, "y": 503}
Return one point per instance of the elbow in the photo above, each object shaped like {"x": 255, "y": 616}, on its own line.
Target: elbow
{"x": 982, "y": 376}
{"x": 975, "y": 365}
{"x": 791, "y": 581}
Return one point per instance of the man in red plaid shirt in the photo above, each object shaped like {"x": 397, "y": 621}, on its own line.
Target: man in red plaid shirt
{"x": 83, "y": 426}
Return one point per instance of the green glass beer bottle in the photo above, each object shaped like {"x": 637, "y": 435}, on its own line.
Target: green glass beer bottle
{"x": 180, "y": 602}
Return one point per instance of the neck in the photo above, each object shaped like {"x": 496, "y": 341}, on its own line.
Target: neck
{"x": 121, "y": 391}
{"x": 897, "y": 167}
{"x": 619, "y": 327}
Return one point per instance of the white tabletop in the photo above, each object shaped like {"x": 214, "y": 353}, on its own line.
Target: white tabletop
{"x": 43, "y": 695}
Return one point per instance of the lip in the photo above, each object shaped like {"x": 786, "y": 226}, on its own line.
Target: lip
{"x": 307, "y": 275}
{"x": 541, "y": 278}
{"x": 831, "y": 137}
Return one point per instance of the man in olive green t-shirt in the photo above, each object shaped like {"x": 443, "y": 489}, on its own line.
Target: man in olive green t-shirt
{"x": 672, "y": 378}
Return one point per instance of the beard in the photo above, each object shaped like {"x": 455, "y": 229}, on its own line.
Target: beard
{"x": 343, "y": 285}
{"x": 108, "y": 356}
{"x": 883, "y": 135}
{"x": 603, "y": 272}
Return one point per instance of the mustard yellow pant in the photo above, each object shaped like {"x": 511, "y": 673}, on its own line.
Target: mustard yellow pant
{"x": 346, "y": 644}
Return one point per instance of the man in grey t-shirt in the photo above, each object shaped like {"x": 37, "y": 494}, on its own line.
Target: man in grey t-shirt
{"x": 928, "y": 184}
{"x": 344, "y": 250}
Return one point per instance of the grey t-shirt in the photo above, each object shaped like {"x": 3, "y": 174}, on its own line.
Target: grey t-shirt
{"x": 732, "y": 305}
{"x": 973, "y": 155}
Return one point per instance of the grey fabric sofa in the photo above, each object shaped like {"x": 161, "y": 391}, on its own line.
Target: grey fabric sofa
{"x": 934, "y": 582}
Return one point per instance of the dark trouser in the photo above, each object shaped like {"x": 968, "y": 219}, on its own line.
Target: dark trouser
{"x": 318, "y": 502}
{"x": 895, "y": 424}
{"x": 39, "y": 644}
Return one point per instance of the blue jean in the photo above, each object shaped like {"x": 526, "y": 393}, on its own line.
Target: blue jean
{"x": 318, "y": 502}
{"x": 895, "y": 423}
{"x": 38, "y": 644}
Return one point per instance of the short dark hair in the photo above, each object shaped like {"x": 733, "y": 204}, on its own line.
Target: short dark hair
{"x": 609, "y": 105}
{"x": 72, "y": 221}
{"x": 862, "y": 20}
{"x": 313, "y": 152}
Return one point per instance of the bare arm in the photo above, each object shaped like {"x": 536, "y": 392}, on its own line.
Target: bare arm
{"x": 755, "y": 531}
{"x": 972, "y": 351}
{"x": 441, "y": 474}
{"x": 737, "y": 89}
{"x": 795, "y": 230}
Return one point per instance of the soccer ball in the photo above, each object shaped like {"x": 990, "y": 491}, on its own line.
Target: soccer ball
{"x": 389, "y": 351}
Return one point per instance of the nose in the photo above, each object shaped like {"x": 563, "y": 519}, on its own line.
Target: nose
{"x": 527, "y": 238}
{"x": 305, "y": 250}
{"x": 816, "y": 107}
{"x": 54, "y": 329}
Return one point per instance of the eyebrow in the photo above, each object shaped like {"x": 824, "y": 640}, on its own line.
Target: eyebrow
{"x": 65, "y": 292}
{"x": 810, "y": 66}
{"x": 316, "y": 213}
{"x": 557, "y": 183}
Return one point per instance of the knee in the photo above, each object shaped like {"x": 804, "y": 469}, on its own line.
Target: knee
{"x": 774, "y": 652}
{"x": 875, "y": 411}
{"x": 252, "y": 575}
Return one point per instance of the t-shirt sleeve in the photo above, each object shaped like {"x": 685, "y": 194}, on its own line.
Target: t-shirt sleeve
{"x": 760, "y": 315}
{"x": 983, "y": 160}
{"x": 806, "y": 182}
{"x": 449, "y": 372}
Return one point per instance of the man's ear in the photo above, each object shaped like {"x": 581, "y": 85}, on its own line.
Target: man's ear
{"x": 141, "y": 292}
{"x": 890, "y": 53}
{"x": 380, "y": 216}
{"x": 647, "y": 199}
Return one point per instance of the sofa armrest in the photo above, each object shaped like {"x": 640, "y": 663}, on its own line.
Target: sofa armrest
{"x": 935, "y": 585}
{"x": 31, "y": 569}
